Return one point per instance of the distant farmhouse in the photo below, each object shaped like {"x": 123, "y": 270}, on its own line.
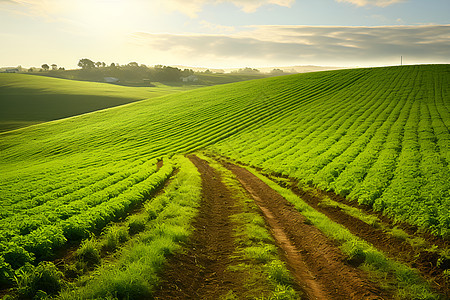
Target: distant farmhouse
{"x": 111, "y": 79}
{"x": 11, "y": 70}
{"x": 190, "y": 78}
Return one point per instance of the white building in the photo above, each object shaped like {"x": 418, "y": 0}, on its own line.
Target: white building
{"x": 190, "y": 78}
{"x": 111, "y": 79}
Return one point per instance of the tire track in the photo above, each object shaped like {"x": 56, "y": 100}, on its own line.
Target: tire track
{"x": 200, "y": 272}
{"x": 315, "y": 261}
{"x": 425, "y": 261}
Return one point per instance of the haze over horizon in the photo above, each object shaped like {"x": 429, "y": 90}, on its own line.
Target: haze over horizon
{"x": 225, "y": 33}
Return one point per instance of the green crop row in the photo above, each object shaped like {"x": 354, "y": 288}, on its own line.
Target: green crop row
{"x": 372, "y": 135}
{"x": 42, "y": 242}
{"x": 60, "y": 207}
{"x": 134, "y": 275}
{"x": 383, "y": 142}
{"x": 405, "y": 281}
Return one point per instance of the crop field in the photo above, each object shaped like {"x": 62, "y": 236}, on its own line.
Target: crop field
{"x": 387, "y": 148}
{"x": 252, "y": 187}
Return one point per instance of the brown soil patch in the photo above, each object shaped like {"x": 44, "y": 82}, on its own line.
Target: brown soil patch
{"x": 425, "y": 262}
{"x": 315, "y": 261}
{"x": 201, "y": 271}
{"x": 159, "y": 164}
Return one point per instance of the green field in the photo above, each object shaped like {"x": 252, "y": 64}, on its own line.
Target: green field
{"x": 27, "y": 100}
{"x": 380, "y": 137}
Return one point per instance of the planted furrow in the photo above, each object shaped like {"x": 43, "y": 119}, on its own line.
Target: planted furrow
{"x": 369, "y": 145}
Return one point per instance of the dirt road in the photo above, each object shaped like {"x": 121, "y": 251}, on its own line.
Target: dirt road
{"x": 315, "y": 261}
{"x": 201, "y": 271}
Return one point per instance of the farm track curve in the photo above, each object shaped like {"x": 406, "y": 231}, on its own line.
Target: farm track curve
{"x": 315, "y": 261}
{"x": 426, "y": 262}
{"x": 200, "y": 272}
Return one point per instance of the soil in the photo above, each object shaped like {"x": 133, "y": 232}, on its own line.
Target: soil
{"x": 316, "y": 262}
{"x": 424, "y": 261}
{"x": 159, "y": 164}
{"x": 201, "y": 271}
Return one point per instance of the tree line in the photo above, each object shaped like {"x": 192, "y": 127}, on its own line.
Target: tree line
{"x": 134, "y": 71}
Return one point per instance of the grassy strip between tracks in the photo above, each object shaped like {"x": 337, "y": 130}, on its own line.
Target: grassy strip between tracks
{"x": 392, "y": 275}
{"x": 256, "y": 252}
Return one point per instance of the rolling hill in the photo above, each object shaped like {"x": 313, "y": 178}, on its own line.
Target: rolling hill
{"x": 26, "y": 100}
{"x": 378, "y": 136}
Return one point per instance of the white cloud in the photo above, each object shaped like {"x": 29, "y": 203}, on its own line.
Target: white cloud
{"x": 193, "y": 7}
{"x": 380, "y": 3}
{"x": 40, "y": 7}
{"x": 309, "y": 45}
{"x": 216, "y": 27}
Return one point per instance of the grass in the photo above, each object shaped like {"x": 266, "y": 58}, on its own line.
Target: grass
{"x": 405, "y": 282}
{"x": 134, "y": 273}
{"x": 377, "y": 136}
{"x": 27, "y": 100}
{"x": 255, "y": 246}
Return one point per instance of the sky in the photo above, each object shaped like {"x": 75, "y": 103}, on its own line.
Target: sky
{"x": 225, "y": 33}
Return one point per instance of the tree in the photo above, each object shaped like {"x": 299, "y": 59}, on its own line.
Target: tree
{"x": 54, "y": 67}
{"x": 98, "y": 64}
{"x": 167, "y": 74}
{"x": 248, "y": 70}
{"x": 113, "y": 65}
{"x": 45, "y": 67}
{"x": 133, "y": 64}
{"x": 86, "y": 63}
{"x": 30, "y": 70}
{"x": 103, "y": 64}
{"x": 276, "y": 72}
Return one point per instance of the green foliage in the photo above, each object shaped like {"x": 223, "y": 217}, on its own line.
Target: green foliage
{"x": 88, "y": 252}
{"x": 115, "y": 235}
{"x": 408, "y": 283}
{"x": 355, "y": 252}
{"x": 255, "y": 245}
{"x": 399, "y": 234}
{"x": 262, "y": 254}
{"x": 44, "y": 240}
{"x": 278, "y": 273}
{"x": 136, "y": 224}
{"x": 134, "y": 274}
{"x": 6, "y": 273}
{"x": 378, "y": 136}
{"x": 284, "y": 292}
{"x": 14, "y": 255}
{"x": 37, "y": 282}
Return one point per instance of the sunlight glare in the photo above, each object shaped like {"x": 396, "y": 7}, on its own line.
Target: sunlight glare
{"x": 102, "y": 15}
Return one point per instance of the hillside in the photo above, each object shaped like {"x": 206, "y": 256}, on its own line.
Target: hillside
{"x": 26, "y": 100}
{"x": 379, "y": 136}
{"x": 105, "y": 183}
